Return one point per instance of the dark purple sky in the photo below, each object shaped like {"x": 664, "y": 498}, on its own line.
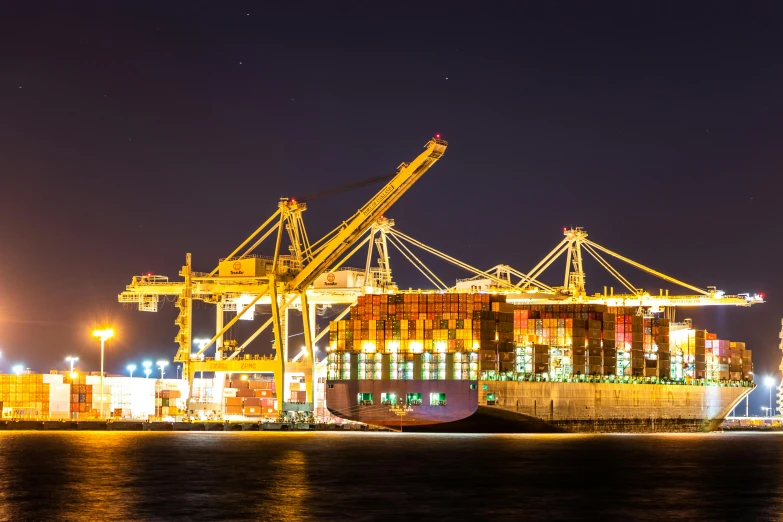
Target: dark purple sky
{"x": 132, "y": 135}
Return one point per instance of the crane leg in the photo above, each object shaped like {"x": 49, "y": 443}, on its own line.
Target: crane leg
{"x": 308, "y": 339}
{"x": 279, "y": 379}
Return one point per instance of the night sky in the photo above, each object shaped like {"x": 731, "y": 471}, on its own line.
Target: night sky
{"x": 130, "y": 135}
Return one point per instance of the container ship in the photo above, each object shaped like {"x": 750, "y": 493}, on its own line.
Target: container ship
{"x": 462, "y": 361}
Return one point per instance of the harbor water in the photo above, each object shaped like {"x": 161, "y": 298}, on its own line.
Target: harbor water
{"x": 89, "y": 476}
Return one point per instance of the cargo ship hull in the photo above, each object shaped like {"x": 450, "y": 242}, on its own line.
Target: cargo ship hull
{"x": 540, "y": 407}
{"x": 373, "y": 401}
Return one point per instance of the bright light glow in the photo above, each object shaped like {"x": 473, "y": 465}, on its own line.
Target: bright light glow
{"x": 18, "y": 369}
{"x": 368, "y": 347}
{"x": 242, "y": 302}
{"x": 162, "y": 364}
{"x": 147, "y": 364}
{"x": 769, "y": 381}
{"x": 201, "y": 343}
{"x": 131, "y": 367}
{"x": 147, "y": 372}
{"x": 440, "y": 346}
{"x": 416, "y": 347}
{"x": 74, "y": 375}
{"x": 71, "y": 359}
{"x": 244, "y": 377}
{"x": 103, "y": 335}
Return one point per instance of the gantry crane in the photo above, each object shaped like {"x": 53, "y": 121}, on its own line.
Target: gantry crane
{"x": 575, "y": 243}
{"x": 281, "y": 280}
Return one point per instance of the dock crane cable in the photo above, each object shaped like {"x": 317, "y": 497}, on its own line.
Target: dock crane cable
{"x": 311, "y": 250}
{"x": 349, "y": 186}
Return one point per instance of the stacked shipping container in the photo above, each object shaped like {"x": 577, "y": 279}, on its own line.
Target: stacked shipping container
{"x": 470, "y": 336}
{"x": 427, "y": 335}
{"x": 166, "y": 403}
{"x": 81, "y": 396}
{"x": 251, "y": 398}
{"x": 25, "y": 395}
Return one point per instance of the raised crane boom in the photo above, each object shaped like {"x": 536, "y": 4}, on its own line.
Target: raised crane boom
{"x": 362, "y": 220}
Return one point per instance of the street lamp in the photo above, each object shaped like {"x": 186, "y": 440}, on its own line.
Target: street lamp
{"x": 147, "y": 368}
{"x": 162, "y": 365}
{"x": 131, "y": 368}
{"x": 770, "y": 382}
{"x": 18, "y": 369}
{"x": 764, "y": 409}
{"x": 71, "y": 359}
{"x": 179, "y": 367}
{"x": 103, "y": 335}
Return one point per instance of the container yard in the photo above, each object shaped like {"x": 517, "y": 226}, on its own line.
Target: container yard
{"x": 75, "y": 396}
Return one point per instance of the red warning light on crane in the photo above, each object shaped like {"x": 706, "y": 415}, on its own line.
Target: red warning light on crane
{"x": 437, "y": 136}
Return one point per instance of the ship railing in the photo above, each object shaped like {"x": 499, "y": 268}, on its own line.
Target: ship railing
{"x": 538, "y": 377}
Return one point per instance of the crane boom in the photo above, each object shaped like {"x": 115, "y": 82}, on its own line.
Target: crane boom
{"x": 407, "y": 175}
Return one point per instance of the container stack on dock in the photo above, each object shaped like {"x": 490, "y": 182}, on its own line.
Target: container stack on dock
{"x": 297, "y": 391}
{"x": 250, "y": 398}
{"x": 81, "y": 397}
{"x": 166, "y": 403}
{"x": 480, "y": 336}
{"x": 24, "y": 395}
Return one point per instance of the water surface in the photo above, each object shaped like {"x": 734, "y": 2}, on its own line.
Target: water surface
{"x": 97, "y": 476}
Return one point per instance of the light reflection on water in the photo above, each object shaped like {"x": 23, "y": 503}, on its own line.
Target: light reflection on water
{"x": 96, "y": 476}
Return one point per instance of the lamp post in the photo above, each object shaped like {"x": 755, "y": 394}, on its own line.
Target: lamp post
{"x": 147, "y": 368}
{"x": 162, "y": 365}
{"x": 103, "y": 335}
{"x": 131, "y": 368}
{"x": 764, "y": 409}
{"x": 770, "y": 382}
{"x": 71, "y": 359}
